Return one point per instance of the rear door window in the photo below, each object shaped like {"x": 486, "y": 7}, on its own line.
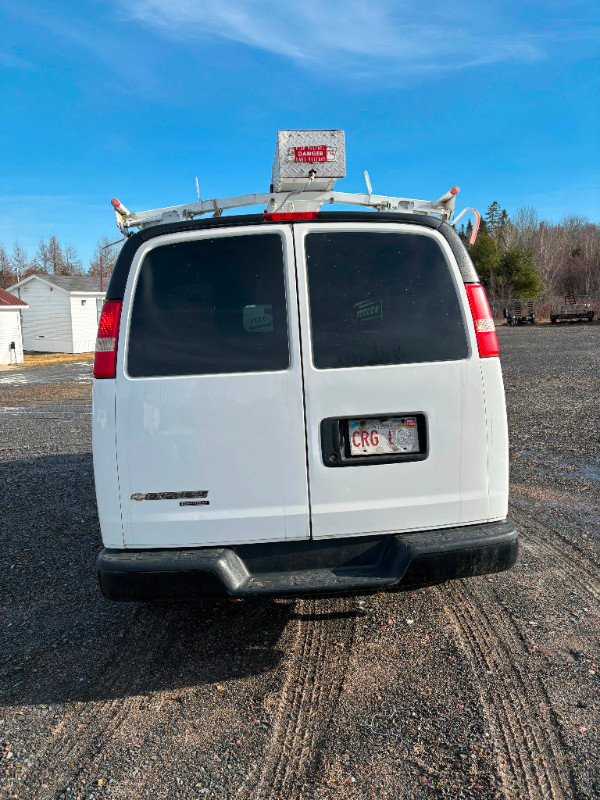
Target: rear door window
{"x": 381, "y": 298}
{"x": 210, "y": 306}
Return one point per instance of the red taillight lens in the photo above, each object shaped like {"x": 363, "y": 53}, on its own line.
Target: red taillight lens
{"x": 292, "y": 215}
{"x": 485, "y": 330}
{"x": 105, "y": 357}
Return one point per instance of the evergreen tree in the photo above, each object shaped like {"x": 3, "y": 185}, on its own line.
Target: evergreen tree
{"x": 469, "y": 231}
{"x": 486, "y": 258}
{"x": 492, "y": 215}
{"x": 505, "y": 274}
{"x": 495, "y": 220}
{"x": 516, "y": 267}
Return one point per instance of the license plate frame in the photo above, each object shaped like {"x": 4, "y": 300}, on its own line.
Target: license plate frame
{"x": 336, "y": 447}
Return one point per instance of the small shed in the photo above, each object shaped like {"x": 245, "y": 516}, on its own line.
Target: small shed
{"x": 63, "y": 314}
{"x": 11, "y": 339}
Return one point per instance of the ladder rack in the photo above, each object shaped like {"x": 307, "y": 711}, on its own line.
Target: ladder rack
{"x": 303, "y": 201}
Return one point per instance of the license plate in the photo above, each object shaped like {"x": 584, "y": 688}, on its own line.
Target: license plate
{"x": 370, "y": 437}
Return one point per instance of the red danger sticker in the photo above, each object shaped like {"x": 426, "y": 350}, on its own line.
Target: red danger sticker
{"x": 310, "y": 155}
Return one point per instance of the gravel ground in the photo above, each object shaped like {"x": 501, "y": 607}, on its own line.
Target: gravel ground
{"x": 74, "y": 371}
{"x": 486, "y": 688}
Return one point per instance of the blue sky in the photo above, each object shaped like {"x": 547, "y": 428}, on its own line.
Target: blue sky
{"x": 103, "y": 99}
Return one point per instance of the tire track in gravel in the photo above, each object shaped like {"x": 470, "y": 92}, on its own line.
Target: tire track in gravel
{"x": 308, "y": 698}
{"x": 566, "y": 559}
{"x": 531, "y": 761}
{"x": 89, "y": 727}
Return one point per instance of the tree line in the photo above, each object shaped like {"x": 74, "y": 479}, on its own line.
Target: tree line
{"x": 522, "y": 256}
{"x": 516, "y": 256}
{"x": 54, "y": 258}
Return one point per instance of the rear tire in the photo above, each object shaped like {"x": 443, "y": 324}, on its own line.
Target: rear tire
{"x": 553, "y": 320}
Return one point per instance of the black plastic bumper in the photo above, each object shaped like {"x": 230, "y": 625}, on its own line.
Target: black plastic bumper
{"x": 354, "y": 564}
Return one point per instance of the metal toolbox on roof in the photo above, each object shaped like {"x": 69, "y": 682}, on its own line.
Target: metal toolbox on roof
{"x": 307, "y": 164}
{"x": 302, "y": 155}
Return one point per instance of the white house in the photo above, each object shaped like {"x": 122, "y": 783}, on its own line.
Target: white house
{"x": 11, "y": 340}
{"x": 63, "y": 312}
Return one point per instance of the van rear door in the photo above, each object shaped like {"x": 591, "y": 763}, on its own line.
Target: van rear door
{"x": 210, "y": 417}
{"x": 395, "y": 414}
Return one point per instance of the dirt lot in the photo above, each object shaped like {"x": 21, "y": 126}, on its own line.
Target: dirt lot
{"x": 487, "y": 688}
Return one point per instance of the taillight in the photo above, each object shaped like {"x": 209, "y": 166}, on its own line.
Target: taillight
{"x": 485, "y": 330}
{"x": 291, "y": 216}
{"x": 105, "y": 357}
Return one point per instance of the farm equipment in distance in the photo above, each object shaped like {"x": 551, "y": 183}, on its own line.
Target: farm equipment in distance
{"x": 517, "y": 313}
{"x": 571, "y": 310}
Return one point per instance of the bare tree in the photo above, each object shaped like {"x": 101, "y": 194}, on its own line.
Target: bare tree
{"x": 526, "y": 220}
{"x": 56, "y": 257}
{"x": 21, "y": 265}
{"x": 567, "y": 252}
{"x": 6, "y": 273}
{"x": 526, "y": 224}
{"x": 73, "y": 265}
{"x": 105, "y": 254}
{"x": 42, "y": 261}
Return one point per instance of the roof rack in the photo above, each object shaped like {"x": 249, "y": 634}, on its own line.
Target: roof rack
{"x": 307, "y": 165}
{"x": 279, "y": 201}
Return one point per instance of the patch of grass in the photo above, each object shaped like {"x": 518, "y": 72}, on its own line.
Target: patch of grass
{"x": 37, "y": 393}
{"x": 44, "y": 359}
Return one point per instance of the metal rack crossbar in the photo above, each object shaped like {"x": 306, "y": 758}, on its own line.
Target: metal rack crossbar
{"x": 303, "y": 201}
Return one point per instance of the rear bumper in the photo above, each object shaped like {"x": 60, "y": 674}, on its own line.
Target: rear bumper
{"x": 356, "y": 564}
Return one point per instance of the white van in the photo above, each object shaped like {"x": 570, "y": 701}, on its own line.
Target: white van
{"x": 297, "y": 402}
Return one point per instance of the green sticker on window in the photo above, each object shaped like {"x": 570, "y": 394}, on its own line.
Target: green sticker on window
{"x": 369, "y": 309}
{"x": 258, "y": 319}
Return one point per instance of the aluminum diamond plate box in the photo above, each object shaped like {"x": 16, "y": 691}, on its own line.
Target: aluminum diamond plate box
{"x": 300, "y": 153}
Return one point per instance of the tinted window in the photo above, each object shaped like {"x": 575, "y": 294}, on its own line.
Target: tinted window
{"x": 210, "y": 306}
{"x": 381, "y": 298}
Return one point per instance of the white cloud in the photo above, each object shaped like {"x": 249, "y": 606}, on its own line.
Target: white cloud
{"x": 353, "y": 37}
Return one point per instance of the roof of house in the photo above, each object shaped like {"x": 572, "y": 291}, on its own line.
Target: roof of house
{"x": 75, "y": 283}
{"x": 70, "y": 283}
{"x": 7, "y": 299}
